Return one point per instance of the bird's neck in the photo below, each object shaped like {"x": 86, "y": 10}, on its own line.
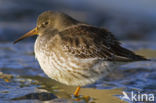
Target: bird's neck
{"x": 64, "y": 22}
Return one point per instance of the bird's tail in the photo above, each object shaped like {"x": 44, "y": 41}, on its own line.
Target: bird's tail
{"x": 131, "y": 56}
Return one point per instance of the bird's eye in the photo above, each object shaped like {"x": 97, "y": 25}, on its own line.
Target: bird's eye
{"x": 45, "y": 23}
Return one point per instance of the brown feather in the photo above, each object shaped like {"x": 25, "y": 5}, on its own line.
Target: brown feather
{"x": 86, "y": 41}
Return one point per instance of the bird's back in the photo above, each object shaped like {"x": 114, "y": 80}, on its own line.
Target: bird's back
{"x": 85, "y": 41}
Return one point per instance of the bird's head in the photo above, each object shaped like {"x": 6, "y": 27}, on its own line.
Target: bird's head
{"x": 49, "y": 20}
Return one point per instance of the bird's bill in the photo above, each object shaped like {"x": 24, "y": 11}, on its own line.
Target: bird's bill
{"x": 28, "y": 34}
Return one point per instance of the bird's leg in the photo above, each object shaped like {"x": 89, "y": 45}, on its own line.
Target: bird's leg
{"x": 76, "y": 93}
{"x": 78, "y": 98}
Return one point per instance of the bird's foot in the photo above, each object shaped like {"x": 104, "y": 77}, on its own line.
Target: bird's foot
{"x": 81, "y": 98}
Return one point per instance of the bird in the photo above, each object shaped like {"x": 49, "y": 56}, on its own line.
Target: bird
{"x": 76, "y": 53}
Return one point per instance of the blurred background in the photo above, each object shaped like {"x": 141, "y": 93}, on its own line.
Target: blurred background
{"x": 131, "y": 21}
{"x": 127, "y": 19}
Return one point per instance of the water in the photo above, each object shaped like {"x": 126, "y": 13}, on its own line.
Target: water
{"x": 127, "y": 20}
{"x": 22, "y": 80}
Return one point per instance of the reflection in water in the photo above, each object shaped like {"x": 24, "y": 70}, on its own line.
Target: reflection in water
{"x": 63, "y": 91}
{"x": 27, "y": 82}
{"x": 43, "y": 96}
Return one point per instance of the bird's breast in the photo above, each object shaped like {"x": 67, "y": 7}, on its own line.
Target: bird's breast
{"x": 53, "y": 59}
{"x": 66, "y": 68}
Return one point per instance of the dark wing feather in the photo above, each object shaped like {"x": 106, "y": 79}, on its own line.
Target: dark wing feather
{"x": 86, "y": 41}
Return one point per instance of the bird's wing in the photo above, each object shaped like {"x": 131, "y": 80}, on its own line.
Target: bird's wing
{"x": 86, "y": 41}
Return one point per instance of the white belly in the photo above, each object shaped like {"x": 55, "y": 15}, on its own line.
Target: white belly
{"x": 71, "y": 70}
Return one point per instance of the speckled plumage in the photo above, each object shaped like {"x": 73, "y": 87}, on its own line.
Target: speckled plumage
{"x": 66, "y": 68}
{"x": 75, "y": 53}
{"x": 78, "y": 54}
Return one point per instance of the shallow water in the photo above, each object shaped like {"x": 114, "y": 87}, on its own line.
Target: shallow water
{"x": 22, "y": 80}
